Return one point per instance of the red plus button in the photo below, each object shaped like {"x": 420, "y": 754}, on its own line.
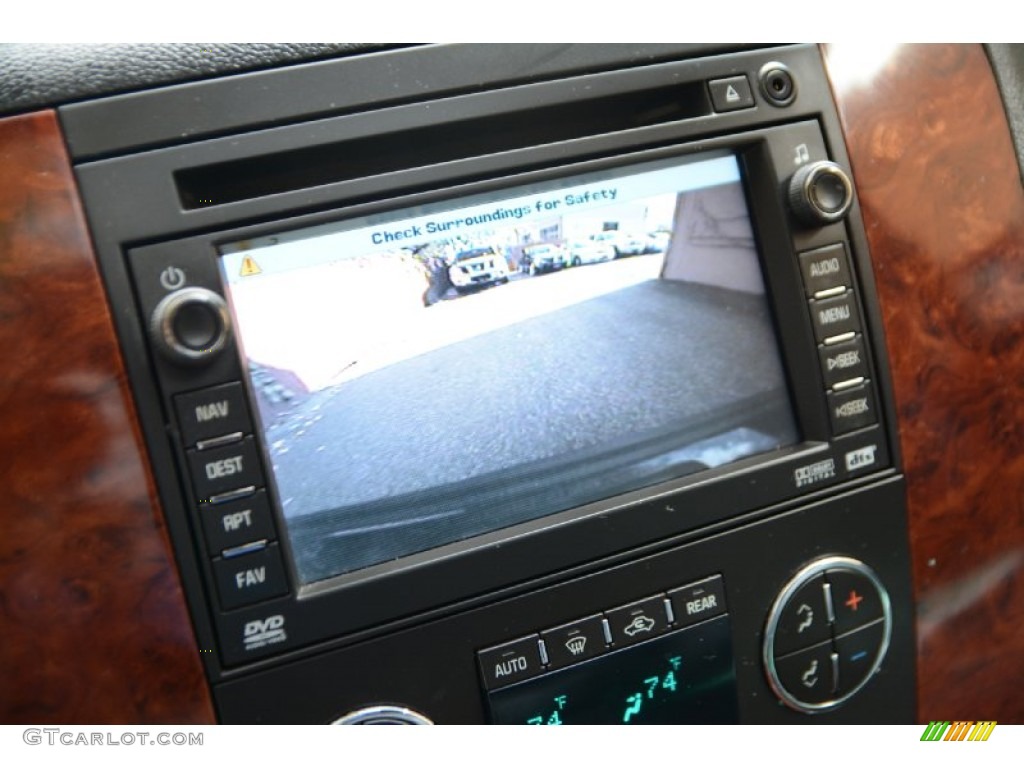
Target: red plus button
{"x": 856, "y": 599}
{"x": 853, "y": 600}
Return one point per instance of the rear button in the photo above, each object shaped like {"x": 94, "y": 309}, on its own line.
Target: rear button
{"x": 697, "y": 602}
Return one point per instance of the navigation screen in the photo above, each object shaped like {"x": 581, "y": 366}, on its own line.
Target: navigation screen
{"x": 445, "y": 371}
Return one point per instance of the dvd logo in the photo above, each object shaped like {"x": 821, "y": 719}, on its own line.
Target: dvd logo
{"x": 263, "y": 632}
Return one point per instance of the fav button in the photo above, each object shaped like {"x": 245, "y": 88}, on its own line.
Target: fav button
{"x": 511, "y": 662}
{"x": 250, "y": 578}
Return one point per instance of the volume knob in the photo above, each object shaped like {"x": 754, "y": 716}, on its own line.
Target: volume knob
{"x": 190, "y": 326}
{"x": 820, "y": 193}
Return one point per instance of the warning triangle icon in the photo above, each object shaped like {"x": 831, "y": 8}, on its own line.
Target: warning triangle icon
{"x": 731, "y": 94}
{"x": 249, "y": 267}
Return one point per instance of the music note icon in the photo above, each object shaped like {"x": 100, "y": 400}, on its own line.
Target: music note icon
{"x": 802, "y": 155}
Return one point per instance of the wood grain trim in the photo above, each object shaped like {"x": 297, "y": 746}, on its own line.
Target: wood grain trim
{"x": 940, "y": 190}
{"x": 94, "y": 624}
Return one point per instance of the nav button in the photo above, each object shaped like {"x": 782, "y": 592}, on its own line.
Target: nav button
{"x": 212, "y": 412}
{"x": 511, "y": 662}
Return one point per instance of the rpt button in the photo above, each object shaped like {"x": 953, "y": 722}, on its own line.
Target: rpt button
{"x": 225, "y": 469}
{"x": 238, "y": 522}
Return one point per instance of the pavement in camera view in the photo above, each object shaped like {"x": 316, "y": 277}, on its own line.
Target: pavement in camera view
{"x": 536, "y": 368}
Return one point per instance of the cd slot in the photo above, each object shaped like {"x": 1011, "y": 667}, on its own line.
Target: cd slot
{"x": 288, "y": 171}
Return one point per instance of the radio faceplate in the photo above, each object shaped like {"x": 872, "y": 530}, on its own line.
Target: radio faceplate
{"x": 220, "y": 416}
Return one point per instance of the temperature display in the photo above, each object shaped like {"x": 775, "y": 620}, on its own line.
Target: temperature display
{"x": 686, "y": 676}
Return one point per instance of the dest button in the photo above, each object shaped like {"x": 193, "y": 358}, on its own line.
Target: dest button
{"x": 224, "y": 469}
{"x": 511, "y": 662}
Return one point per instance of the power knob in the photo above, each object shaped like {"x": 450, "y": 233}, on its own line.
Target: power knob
{"x": 190, "y": 326}
{"x": 820, "y": 193}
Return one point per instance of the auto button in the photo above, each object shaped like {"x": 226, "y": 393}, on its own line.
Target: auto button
{"x": 511, "y": 662}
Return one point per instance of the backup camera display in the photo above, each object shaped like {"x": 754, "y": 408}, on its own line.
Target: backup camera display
{"x": 450, "y": 370}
